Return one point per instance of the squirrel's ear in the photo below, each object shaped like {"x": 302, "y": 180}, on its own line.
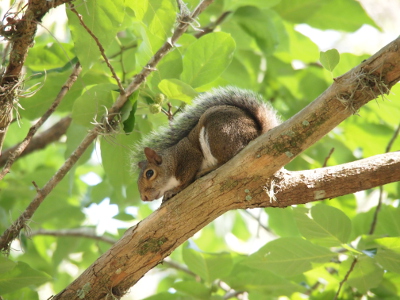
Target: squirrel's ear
{"x": 152, "y": 156}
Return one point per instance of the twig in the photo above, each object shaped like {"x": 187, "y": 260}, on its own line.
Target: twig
{"x": 102, "y": 51}
{"x": 122, "y": 49}
{"x": 13, "y": 231}
{"x": 85, "y": 232}
{"x": 395, "y": 135}
{"x": 258, "y": 221}
{"x": 170, "y": 263}
{"x": 345, "y": 278}
{"x": 21, "y": 147}
{"x": 327, "y": 158}
{"x": 379, "y": 205}
{"x": 39, "y": 141}
{"x": 212, "y": 26}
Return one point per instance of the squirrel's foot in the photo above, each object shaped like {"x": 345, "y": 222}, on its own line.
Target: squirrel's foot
{"x": 168, "y": 195}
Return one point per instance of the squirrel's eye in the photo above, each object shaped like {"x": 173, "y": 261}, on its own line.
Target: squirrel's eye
{"x": 149, "y": 174}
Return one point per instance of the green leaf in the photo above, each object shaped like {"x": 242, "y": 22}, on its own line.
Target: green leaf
{"x": 282, "y": 222}
{"x": 208, "y": 266}
{"x": 128, "y": 112}
{"x": 388, "y": 255}
{"x": 298, "y": 11}
{"x": 115, "y": 155}
{"x": 265, "y": 27}
{"x": 92, "y": 106}
{"x": 388, "y": 221}
{"x": 193, "y": 288}
{"x": 75, "y": 134}
{"x": 104, "y": 19}
{"x": 343, "y": 15}
{"x": 230, "y": 5}
{"x": 326, "y": 225}
{"x": 50, "y": 57}
{"x": 18, "y": 276}
{"x": 261, "y": 281}
{"x": 329, "y": 59}
{"x": 206, "y": 59}
{"x": 365, "y": 275}
{"x": 169, "y": 67}
{"x": 176, "y": 89}
{"x": 288, "y": 256}
{"x": 157, "y": 15}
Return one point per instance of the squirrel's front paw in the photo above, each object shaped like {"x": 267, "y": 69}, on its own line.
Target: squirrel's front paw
{"x": 168, "y": 195}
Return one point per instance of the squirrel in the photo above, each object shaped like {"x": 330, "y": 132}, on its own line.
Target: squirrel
{"x": 203, "y": 137}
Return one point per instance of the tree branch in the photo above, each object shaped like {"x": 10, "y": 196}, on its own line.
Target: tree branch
{"x": 32, "y": 131}
{"x": 39, "y": 141}
{"x": 241, "y": 183}
{"x": 20, "y": 31}
{"x": 85, "y": 232}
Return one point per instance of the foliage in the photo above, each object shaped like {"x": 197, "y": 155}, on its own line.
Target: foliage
{"x": 296, "y": 252}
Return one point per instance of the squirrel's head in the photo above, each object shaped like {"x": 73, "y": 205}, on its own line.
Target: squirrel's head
{"x": 154, "y": 177}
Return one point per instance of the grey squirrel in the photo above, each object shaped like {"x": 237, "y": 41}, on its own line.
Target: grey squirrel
{"x": 203, "y": 137}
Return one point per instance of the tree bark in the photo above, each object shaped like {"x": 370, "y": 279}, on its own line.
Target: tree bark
{"x": 20, "y": 31}
{"x": 244, "y": 181}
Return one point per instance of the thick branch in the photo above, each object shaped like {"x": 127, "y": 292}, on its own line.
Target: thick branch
{"x": 240, "y": 183}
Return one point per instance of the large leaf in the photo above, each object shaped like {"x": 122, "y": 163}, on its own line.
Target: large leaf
{"x": 298, "y": 11}
{"x": 18, "y": 275}
{"x": 207, "y": 266}
{"x": 388, "y": 255}
{"x": 260, "y": 281}
{"x": 104, "y": 19}
{"x": 93, "y": 105}
{"x": 207, "y": 58}
{"x": 264, "y": 26}
{"x": 288, "y": 256}
{"x": 193, "y": 288}
{"x": 176, "y": 89}
{"x": 282, "y": 221}
{"x": 323, "y": 224}
{"x": 115, "y": 154}
{"x": 343, "y": 15}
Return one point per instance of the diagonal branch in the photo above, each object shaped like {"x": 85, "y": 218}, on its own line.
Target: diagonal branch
{"x": 32, "y": 131}
{"x": 39, "y": 141}
{"x": 12, "y": 232}
{"x": 20, "y": 31}
{"x": 241, "y": 183}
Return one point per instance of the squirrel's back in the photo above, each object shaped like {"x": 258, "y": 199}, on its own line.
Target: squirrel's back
{"x": 250, "y": 102}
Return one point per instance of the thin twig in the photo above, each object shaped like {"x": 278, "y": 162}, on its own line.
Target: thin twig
{"x": 40, "y": 140}
{"x": 379, "y": 205}
{"x": 100, "y": 46}
{"x": 258, "y": 221}
{"x": 85, "y": 232}
{"x": 32, "y": 131}
{"x": 327, "y": 158}
{"x": 345, "y": 278}
{"x": 395, "y": 135}
{"x": 212, "y": 26}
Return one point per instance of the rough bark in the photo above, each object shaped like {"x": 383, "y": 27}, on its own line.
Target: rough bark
{"x": 20, "y": 31}
{"x": 243, "y": 181}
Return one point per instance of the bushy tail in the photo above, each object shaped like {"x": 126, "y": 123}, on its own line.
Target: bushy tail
{"x": 246, "y": 100}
